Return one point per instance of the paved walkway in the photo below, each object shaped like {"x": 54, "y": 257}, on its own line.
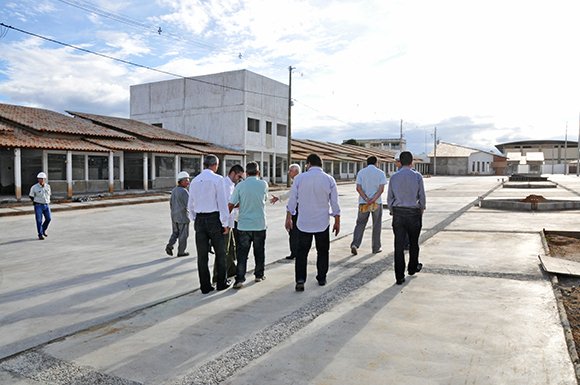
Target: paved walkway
{"x": 481, "y": 311}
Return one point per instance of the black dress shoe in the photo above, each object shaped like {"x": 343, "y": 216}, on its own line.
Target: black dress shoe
{"x": 227, "y": 284}
{"x": 186, "y": 254}
{"x": 417, "y": 269}
{"x": 300, "y": 286}
{"x": 290, "y": 257}
{"x": 206, "y": 291}
{"x": 322, "y": 282}
{"x": 40, "y": 237}
{"x": 45, "y": 234}
{"x": 168, "y": 250}
{"x": 400, "y": 281}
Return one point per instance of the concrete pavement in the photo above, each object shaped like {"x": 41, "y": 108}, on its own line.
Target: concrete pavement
{"x": 481, "y": 311}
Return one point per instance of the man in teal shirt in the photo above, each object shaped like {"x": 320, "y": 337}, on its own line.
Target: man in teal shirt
{"x": 251, "y": 195}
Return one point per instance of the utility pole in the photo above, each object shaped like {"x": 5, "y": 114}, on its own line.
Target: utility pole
{"x": 566, "y": 151}
{"x": 289, "y": 159}
{"x": 401, "y": 137}
{"x": 578, "y": 145}
{"x": 435, "y": 152}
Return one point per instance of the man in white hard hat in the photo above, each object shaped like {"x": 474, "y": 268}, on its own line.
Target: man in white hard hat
{"x": 40, "y": 197}
{"x": 179, "y": 216}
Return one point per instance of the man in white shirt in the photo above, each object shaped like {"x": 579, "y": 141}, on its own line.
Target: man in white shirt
{"x": 40, "y": 197}
{"x": 208, "y": 208}
{"x": 370, "y": 184}
{"x": 293, "y": 171}
{"x": 315, "y": 192}
{"x": 235, "y": 175}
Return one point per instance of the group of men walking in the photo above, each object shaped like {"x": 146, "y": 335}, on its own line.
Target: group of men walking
{"x": 229, "y": 216}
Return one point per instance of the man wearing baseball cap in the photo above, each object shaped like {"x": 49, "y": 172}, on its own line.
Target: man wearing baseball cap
{"x": 179, "y": 216}
{"x": 40, "y": 197}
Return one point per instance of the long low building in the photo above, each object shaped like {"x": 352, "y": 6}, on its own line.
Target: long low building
{"x": 85, "y": 153}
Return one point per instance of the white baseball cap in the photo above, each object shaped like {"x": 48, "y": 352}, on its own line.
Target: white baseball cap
{"x": 41, "y": 175}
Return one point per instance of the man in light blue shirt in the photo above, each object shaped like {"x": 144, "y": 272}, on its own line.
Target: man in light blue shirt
{"x": 370, "y": 184}
{"x": 406, "y": 200}
{"x": 316, "y": 193}
{"x": 251, "y": 196}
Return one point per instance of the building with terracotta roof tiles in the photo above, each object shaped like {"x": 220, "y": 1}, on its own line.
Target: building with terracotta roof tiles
{"x": 88, "y": 153}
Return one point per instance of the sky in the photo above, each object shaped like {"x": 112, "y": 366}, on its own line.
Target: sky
{"x": 481, "y": 72}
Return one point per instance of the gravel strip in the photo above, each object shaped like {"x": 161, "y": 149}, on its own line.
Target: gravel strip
{"x": 49, "y": 370}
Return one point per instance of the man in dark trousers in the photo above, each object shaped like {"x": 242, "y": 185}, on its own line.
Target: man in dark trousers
{"x": 208, "y": 208}
{"x": 316, "y": 195}
{"x": 179, "y": 216}
{"x": 407, "y": 202}
{"x": 40, "y": 197}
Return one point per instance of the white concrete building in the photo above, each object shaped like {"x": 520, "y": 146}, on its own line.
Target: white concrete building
{"x": 238, "y": 109}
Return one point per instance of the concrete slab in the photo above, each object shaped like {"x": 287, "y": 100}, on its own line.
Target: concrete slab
{"x": 560, "y": 266}
{"x": 489, "y": 252}
{"x": 463, "y": 314}
{"x": 417, "y": 335}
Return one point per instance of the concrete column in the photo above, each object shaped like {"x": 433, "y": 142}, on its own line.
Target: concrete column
{"x": 69, "y": 179}
{"x": 145, "y": 172}
{"x": 331, "y": 167}
{"x": 273, "y": 173}
{"x": 87, "y": 168}
{"x": 17, "y": 174}
{"x": 177, "y": 166}
{"x": 111, "y": 172}
{"x": 153, "y": 169}
{"x": 122, "y": 170}
{"x": 45, "y": 162}
{"x": 261, "y": 160}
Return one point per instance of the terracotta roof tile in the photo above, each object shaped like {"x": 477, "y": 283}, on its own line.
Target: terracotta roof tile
{"x": 142, "y": 146}
{"x": 135, "y": 127}
{"x": 49, "y": 121}
{"x": 19, "y": 138}
{"x": 212, "y": 149}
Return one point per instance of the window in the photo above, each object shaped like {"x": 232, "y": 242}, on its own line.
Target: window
{"x": 164, "y": 166}
{"x": 350, "y": 167}
{"x": 116, "y": 167}
{"x": 268, "y": 128}
{"x": 281, "y": 129}
{"x": 253, "y": 125}
{"x": 57, "y": 166}
{"x": 98, "y": 167}
{"x": 78, "y": 167}
{"x": 160, "y": 125}
{"x": 472, "y": 166}
{"x": 191, "y": 165}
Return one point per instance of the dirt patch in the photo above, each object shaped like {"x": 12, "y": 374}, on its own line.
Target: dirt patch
{"x": 568, "y": 247}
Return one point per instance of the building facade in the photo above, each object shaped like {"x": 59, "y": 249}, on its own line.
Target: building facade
{"x": 238, "y": 109}
{"x": 559, "y": 156}
{"x": 454, "y": 159}
{"x": 88, "y": 154}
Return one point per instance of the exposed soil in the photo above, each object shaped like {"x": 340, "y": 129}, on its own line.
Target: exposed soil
{"x": 568, "y": 247}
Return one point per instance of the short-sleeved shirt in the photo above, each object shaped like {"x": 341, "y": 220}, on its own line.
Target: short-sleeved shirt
{"x": 40, "y": 194}
{"x": 252, "y": 195}
{"x": 370, "y": 179}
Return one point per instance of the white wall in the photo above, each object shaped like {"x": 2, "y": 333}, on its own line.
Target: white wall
{"x": 483, "y": 159}
{"x": 217, "y": 113}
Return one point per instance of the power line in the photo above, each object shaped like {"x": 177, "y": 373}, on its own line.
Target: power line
{"x": 137, "y": 64}
{"x": 156, "y": 30}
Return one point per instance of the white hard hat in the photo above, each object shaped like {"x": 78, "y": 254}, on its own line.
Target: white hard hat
{"x": 182, "y": 175}
{"x": 41, "y": 175}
